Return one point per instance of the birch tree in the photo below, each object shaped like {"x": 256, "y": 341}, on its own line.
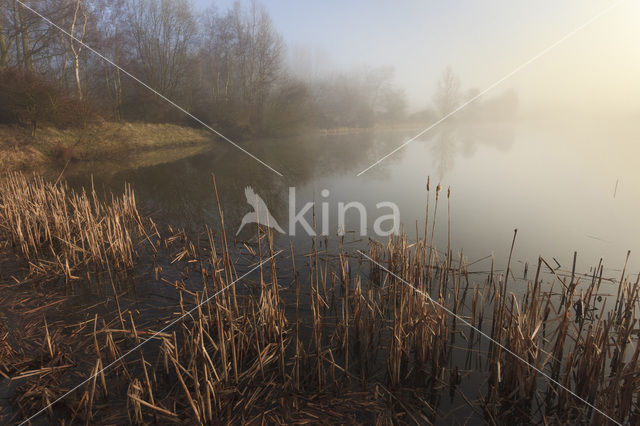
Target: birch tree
{"x": 77, "y": 32}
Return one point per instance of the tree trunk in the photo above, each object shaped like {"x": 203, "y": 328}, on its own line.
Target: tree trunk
{"x": 26, "y": 45}
{"x": 74, "y": 51}
{"x": 118, "y": 88}
{"x": 76, "y": 65}
{"x": 4, "y": 50}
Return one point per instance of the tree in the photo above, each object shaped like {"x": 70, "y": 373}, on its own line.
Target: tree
{"x": 227, "y": 67}
{"x": 357, "y": 99}
{"x": 447, "y": 97}
{"x": 289, "y": 108}
{"x": 76, "y": 47}
{"x": 162, "y": 31}
{"x": 393, "y": 105}
{"x": 241, "y": 60}
{"x": 114, "y": 42}
{"x": 4, "y": 48}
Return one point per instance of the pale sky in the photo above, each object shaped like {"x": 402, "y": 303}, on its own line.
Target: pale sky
{"x": 482, "y": 41}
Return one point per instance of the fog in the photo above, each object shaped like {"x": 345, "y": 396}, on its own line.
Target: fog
{"x": 593, "y": 73}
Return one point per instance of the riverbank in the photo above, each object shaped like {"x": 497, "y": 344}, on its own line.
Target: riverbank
{"x": 100, "y": 141}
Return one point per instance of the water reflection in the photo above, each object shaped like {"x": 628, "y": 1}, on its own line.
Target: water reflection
{"x": 453, "y": 140}
{"x": 501, "y": 174}
{"x": 181, "y": 192}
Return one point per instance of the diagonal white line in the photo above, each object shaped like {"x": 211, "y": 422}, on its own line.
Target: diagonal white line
{"x": 163, "y": 97}
{"x": 468, "y": 324}
{"x": 505, "y": 77}
{"x": 171, "y": 324}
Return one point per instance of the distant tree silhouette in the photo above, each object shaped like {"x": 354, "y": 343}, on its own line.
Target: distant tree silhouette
{"x": 447, "y": 97}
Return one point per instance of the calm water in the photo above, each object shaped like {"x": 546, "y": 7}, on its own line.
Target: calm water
{"x": 565, "y": 187}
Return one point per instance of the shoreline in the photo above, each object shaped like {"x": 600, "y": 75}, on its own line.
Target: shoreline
{"x": 113, "y": 141}
{"x": 105, "y": 141}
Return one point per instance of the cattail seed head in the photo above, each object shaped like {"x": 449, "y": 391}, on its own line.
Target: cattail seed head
{"x": 428, "y": 183}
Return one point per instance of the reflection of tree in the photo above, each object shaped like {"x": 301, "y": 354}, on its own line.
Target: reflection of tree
{"x": 449, "y": 96}
{"x": 444, "y": 149}
{"x": 181, "y": 192}
{"x": 482, "y": 122}
{"x": 454, "y": 140}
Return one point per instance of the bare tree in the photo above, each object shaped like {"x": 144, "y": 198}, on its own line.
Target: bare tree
{"x": 162, "y": 32}
{"x": 241, "y": 57}
{"x": 112, "y": 39}
{"x": 227, "y": 67}
{"x": 447, "y": 97}
{"x": 76, "y": 46}
{"x": 357, "y": 99}
{"x": 26, "y": 41}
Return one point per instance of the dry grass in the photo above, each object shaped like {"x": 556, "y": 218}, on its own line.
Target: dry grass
{"x": 110, "y": 140}
{"x": 15, "y": 151}
{"x": 100, "y": 141}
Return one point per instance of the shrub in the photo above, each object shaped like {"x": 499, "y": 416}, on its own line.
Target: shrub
{"x": 28, "y": 99}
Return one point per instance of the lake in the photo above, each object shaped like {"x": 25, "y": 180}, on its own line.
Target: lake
{"x": 565, "y": 187}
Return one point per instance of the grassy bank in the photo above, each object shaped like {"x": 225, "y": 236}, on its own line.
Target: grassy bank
{"x": 101, "y": 141}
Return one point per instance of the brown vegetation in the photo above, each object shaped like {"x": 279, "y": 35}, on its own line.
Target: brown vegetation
{"x": 56, "y": 230}
{"x": 343, "y": 340}
{"x": 100, "y": 141}
{"x": 29, "y": 100}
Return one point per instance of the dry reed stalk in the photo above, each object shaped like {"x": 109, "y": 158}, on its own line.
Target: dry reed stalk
{"x": 231, "y": 359}
{"x": 49, "y": 221}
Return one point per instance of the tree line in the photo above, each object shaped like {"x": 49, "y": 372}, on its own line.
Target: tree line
{"x": 228, "y": 68}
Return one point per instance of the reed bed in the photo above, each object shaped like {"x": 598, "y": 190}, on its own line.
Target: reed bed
{"x": 58, "y": 231}
{"x": 329, "y": 336}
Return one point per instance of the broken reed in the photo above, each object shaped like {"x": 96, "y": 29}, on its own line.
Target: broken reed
{"x": 362, "y": 345}
{"x": 57, "y": 230}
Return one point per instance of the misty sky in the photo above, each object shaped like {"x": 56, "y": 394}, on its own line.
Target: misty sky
{"x": 595, "y": 69}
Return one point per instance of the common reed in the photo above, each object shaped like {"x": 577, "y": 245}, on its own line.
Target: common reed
{"x": 329, "y": 336}
{"x": 59, "y": 231}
